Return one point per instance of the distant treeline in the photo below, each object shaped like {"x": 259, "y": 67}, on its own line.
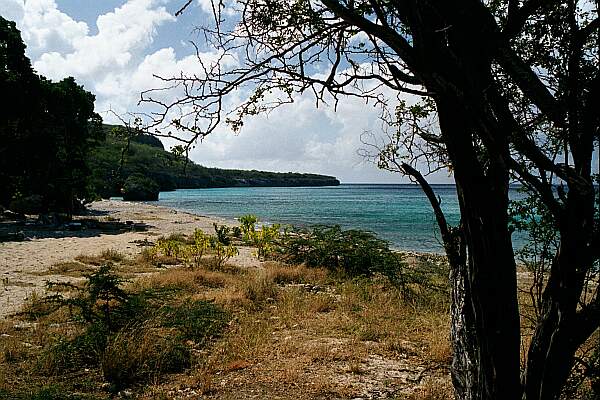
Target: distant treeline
{"x": 113, "y": 162}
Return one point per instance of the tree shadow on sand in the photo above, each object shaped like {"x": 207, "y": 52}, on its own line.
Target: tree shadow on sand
{"x": 12, "y": 230}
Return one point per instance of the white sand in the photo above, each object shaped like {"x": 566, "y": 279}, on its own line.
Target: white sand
{"x": 21, "y": 263}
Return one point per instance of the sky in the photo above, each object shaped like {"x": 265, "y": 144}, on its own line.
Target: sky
{"x": 114, "y": 47}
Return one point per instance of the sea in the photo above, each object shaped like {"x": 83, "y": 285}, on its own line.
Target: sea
{"x": 399, "y": 214}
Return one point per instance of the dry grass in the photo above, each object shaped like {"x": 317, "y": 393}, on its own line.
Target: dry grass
{"x": 295, "y": 332}
{"x": 69, "y": 268}
{"x": 106, "y": 256}
{"x": 284, "y": 274}
{"x": 182, "y": 278}
{"x": 433, "y": 389}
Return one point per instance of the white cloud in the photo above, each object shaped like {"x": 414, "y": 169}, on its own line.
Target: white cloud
{"x": 43, "y": 26}
{"x": 126, "y": 31}
{"x": 299, "y": 138}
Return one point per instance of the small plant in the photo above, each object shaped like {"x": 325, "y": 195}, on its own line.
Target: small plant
{"x": 222, "y": 252}
{"x": 222, "y": 232}
{"x": 99, "y": 300}
{"x": 195, "y": 251}
{"x": 236, "y": 232}
{"x": 109, "y": 255}
{"x": 112, "y": 255}
{"x": 265, "y": 240}
{"x": 248, "y": 226}
{"x": 170, "y": 248}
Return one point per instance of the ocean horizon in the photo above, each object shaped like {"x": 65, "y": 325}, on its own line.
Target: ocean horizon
{"x": 398, "y": 213}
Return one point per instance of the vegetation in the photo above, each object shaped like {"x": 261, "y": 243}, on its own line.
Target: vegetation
{"x": 47, "y": 130}
{"x": 140, "y": 187}
{"x": 121, "y": 156}
{"x": 290, "y": 330}
{"x": 352, "y": 252}
{"x": 131, "y": 336}
{"x": 501, "y": 91}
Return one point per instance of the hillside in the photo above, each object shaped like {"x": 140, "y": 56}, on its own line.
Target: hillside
{"x": 146, "y": 156}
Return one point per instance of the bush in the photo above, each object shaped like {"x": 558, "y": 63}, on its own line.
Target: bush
{"x": 101, "y": 300}
{"x": 222, "y": 232}
{"x": 222, "y": 252}
{"x": 199, "y": 321}
{"x": 139, "y": 354}
{"x": 248, "y": 223}
{"x": 138, "y": 187}
{"x": 131, "y": 336}
{"x": 353, "y": 252}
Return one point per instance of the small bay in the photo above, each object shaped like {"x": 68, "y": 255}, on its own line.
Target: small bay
{"x": 399, "y": 214}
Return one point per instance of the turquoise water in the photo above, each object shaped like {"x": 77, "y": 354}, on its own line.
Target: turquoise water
{"x": 400, "y": 214}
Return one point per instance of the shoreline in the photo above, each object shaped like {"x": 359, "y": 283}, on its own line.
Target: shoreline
{"x": 24, "y": 265}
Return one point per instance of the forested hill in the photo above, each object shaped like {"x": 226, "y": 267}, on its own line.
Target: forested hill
{"x": 146, "y": 156}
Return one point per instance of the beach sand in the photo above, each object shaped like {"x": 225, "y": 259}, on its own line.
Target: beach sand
{"x": 23, "y": 265}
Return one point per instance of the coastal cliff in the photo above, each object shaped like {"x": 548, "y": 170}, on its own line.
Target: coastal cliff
{"x": 146, "y": 156}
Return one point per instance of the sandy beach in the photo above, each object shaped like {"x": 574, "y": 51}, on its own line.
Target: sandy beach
{"x": 22, "y": 264}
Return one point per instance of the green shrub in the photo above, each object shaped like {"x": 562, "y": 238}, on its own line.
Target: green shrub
{"x": 169, "y": 248}
{"x": 236, "y": 231}
{"x": 221, "y": 252}
{"x": 248, "y": 223}
{"x": 353, "y": 252}
{"x": 131, "y": 336}
{"x": 198, "y": 320}
{"x": 100, "y": 300}
{"x": 222, "y": 232}
{"x": 194, "y": 252}
{"x": 139, "y": 354}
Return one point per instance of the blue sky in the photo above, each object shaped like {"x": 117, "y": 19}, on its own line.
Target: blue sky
{"x": 113, "y": 47}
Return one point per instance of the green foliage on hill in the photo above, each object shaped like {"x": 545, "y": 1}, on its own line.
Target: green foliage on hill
{"x": 146, "y": 156}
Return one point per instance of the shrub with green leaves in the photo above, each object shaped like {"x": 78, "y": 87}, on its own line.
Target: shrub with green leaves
{"x": 248, "y": 223}
{"x": 132, "y": 336}
{"x": 222, "y": 232}
{"x": 353, "y": 252}
{"x": 194, "y": 251}
{"x": 221, "y": 252}
{"x": 138, "y": 187}
{"x": 100, "y": 300}
{"x": 170, "y": 247}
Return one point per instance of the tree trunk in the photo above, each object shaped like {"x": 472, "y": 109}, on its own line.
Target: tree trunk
{"x": 559, "y": 333}
{"x": 485, "y": 331}
{"x": 485, "y": 317}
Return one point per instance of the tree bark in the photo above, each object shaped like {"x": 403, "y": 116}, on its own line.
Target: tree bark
{"x": 559, "y": 333}
{"x": 485, "y": 317}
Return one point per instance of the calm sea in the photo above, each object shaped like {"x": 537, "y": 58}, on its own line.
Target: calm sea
{"x": 400, "y": 214}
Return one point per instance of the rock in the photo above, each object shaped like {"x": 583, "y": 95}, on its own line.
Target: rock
{"x": 33, "y": 204}
{"x": 140, "y": 188}
{"x": 12, "y": 236}
{"x": 13, "y": 216}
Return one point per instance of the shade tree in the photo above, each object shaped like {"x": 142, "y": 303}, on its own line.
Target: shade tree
{"x": 496, "y": 91}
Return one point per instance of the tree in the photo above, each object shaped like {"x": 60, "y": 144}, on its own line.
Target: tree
{"x": 495, "y": 90}
{"x": 47, "y": 129}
